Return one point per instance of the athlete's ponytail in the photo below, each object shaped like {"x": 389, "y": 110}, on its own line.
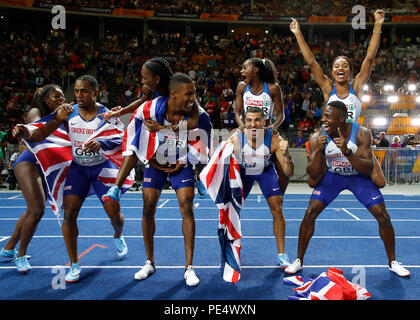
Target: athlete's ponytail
{"x": 266, "y": 69}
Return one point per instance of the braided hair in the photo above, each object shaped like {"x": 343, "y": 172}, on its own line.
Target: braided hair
{"x": 160, "y": 67}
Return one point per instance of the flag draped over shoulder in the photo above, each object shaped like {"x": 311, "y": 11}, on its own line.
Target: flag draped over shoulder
{"x": 144, "y": 143}
{"x": 330, "y": 285}
{"x": 110, "y": 135}
{"x": 54, "y": 155}
{"x": 221, "y": 178}
{"x": 137, "y": 138}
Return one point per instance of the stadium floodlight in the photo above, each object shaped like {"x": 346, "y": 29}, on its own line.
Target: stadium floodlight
{"x": 412, "y": 87}
{"x": 392, "y": 99}
{"x": 365, "y": 87}
{"x": 416, "y": 121}
{"x": 379, "y": 122}
{"x": 388, "y": 87}
{"x": 365, "y": 98}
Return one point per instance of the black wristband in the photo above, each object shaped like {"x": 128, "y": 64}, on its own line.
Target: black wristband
{"x": 348, "y": 153}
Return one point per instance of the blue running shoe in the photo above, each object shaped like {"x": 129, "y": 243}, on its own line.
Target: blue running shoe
{"x": 10, "y": 254}
{"x": 283, "y": 260}
{"x": 201, "y": 189}
{"x": 74, "y": 272}
{"x": 114, "y": 193}
{"x": 22, "y": 264}
{"x": 122, "y": 248}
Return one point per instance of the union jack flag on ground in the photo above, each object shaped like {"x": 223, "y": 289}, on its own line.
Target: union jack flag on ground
{"x": 330, "y": 285}
{"x": 222, "y": 179}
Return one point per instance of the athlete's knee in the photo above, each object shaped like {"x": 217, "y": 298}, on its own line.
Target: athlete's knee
{"x": 36, "y": 211}
{"x": 149, "y": 209}
{"x": 383, "y": 218}
{"x": 311, "y": 214}
{"x": 186, "y": 208}
{"x": 70, "y": 215}
{"x": 277, "y": 212}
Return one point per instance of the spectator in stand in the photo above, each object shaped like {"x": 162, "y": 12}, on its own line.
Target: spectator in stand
{"x": 210, "y": 105}
{"x": 305, "y": 125}
{"x": 396, "y": 142}
{"x": 224, "y": 110}
{"x": 104, "y": 96}
{"x": 383, "y": 141}
{"x": 305, "y": 103}
{"x": 300, "y": 140}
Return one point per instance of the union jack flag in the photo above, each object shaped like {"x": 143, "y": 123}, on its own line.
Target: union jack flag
{"x": 137, "y": 138}
{"x": 330, "y": 285}
{"x": 221, "y": 177}
{"x": 144, "y": 143}
{"x": 54, "y": 155}
{"x": 110, "y": 134}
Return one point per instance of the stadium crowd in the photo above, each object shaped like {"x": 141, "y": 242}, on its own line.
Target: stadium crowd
{"x": 247, "y": 7}
{"x": 33, "y": 57}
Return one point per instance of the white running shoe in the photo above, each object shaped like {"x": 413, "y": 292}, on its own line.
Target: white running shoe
{"x": 294, "y": 267}
{"x": 190, "y": 277}
{"x": 399, "y": 269}
{"x": 146, "y": 271}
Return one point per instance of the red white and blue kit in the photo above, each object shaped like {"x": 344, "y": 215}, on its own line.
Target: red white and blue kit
{"x": 82, "y": 176}
{"x": 341, "y": 175}
{"x": 352, "y": 102}
{"x": 256, "y": 165}
{"x": 262, "y": 101}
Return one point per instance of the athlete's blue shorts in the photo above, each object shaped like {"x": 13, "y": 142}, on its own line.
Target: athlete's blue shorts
{"x": 154, "y": 178}
{"x": 363, "y": 188}
{"x": 25, "y": 156}
{"x": 83, "y": 180}
{"x": 268, "y": 181}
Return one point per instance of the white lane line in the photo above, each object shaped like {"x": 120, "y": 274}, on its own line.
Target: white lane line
{"x": 211, "y": 267}
{"x": 244, "y": 237}
{"x": 165, "y": 202}
{"x": 351, "y": 214}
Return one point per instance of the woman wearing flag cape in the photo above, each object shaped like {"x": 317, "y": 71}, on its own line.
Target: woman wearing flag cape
{"x": 30, "y": 179}
{"x": 91, "y": 168}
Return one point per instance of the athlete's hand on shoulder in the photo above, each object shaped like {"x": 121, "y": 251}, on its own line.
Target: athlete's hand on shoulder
{"x": 63, "y": 111}
{"x": 294, "y": 26}
{"x": 115, "y": 112}
{"x": 20, "y": 130}
{"x": 379, "y": 16}
{"x": 92, "y": 146}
